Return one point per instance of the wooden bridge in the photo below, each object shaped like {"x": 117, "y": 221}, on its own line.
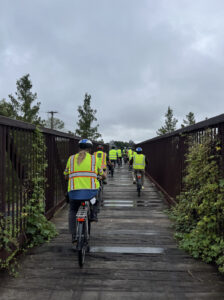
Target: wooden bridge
{"x": 133, "y": 252}
{"x": 133, "y": 256}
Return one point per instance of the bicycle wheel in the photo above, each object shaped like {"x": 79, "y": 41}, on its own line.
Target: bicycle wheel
{"x": 81, "y": 244}
{"x": 139, "y": 186}
{"x": 139, "y": 191}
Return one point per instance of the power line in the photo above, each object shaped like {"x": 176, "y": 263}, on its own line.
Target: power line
{"x": 52, "y": 118}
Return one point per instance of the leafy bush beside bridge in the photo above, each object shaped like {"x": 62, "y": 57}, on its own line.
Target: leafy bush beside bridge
{"x": 199, "y": 214}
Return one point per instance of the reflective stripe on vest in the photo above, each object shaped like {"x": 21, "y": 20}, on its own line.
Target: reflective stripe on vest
{"x": 139, "y": 161}
{"x": 83, "y": 174}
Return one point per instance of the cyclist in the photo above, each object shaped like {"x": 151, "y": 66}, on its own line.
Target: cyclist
{"x": 119, "y": 156}
{"x": 125, "y": 156}
{"x": 112, "y": 157}
{"x": 130, "y": 156}
{"x": 81, "y": 171}
{"x": 129, "y": 152}
{"x": 139, "y": 162}
{"x": 102, "y": 158}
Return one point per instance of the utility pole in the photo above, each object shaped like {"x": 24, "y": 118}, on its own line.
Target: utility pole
{"x": 52, "y": 118}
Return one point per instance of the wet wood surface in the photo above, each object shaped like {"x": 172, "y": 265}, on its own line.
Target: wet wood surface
{"x": 133, "y": 256}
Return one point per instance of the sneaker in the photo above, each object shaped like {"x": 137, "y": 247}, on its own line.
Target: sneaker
{"x": 143, "y": 187}
{"x": 134, "y": 182}
{"x": 94, "y": 219}
{"x": 74, "y": 239}
{"x": 74, "y": 246}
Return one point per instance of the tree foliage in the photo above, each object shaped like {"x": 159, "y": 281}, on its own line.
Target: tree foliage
{"x": 190, "y": 120}
{"x": 199, "y": 214}
{"x": 21, "y": 106}
{"x": 86, "y": 118}
{"x": 170, "y": 123}
{"x": 121, "y": 144}
{"x": 57, "y": 124}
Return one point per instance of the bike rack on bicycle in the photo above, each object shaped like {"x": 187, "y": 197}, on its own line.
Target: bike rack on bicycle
{"x": 82, "y": 216}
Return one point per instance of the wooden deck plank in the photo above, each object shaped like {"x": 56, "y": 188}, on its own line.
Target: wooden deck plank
{"x": 52, "y": 272}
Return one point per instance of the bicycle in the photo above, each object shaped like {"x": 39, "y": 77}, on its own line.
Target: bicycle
{"x": 112, "y": 167}
{"x": 100, "y": 195}
{"x": 125, "y": 159}
{"x": 139, "y": 182}
{"x": 83, "y": 231}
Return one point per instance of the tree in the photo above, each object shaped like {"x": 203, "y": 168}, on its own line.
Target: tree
{"x": 6, "y": 109}
{"x": 20, "y": 106}
{"x": 57, "y": 124}
{"x": 190, "y": 120}
{"x": 170, "y": 123}
{"x": 86, "y": 118}
{"x": 121, "y": 144}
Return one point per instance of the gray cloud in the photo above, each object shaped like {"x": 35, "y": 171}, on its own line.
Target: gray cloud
{"x": 134, "y": 57}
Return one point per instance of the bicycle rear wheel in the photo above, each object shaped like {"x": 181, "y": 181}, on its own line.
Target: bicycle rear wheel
{"x": 81, "y": 244}
{"x": 139, "y": 191}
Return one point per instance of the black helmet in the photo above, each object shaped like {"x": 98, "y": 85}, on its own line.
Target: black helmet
{"x": 100, "y": 147}
{"x": 138, "y": 150}
{"x": 85, "y": 144}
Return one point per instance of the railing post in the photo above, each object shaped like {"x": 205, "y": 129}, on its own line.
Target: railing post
{"x": 221, "y": 138}
{"x": 2, "y": 168}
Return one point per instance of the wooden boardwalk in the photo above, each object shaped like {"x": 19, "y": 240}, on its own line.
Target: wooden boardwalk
{"x": 133, "y": 256}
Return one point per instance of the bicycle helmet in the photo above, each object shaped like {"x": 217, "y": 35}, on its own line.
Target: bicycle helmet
{"x": 100, "y": 147}
{"x": 139, "y": 149}
{"x": 85, "y": 144}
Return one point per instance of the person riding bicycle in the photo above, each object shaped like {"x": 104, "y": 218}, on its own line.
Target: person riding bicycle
{"x": 119, "y": 156}
{"x": 112, "y": 157}
{"x": 129, "y": 153}
{"x": 102, "y": 158}
{"x": 81, "y": 171}
{"x": 139, "y": 162}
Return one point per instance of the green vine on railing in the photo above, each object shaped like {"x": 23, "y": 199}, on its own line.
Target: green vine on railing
{"x": 37, "y": 228}
{"x": 199, "y": 214}
{"x": 9, "y": 245}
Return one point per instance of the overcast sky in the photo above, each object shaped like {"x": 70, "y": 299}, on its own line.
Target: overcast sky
{"x": 135, "y": 57}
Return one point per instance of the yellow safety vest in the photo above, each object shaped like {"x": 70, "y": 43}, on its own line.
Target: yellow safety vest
{"x": 130, "y": 152}
{"x": 102, "y": 158}
{"x": 119, "y": 153}
{"x": 139, "y": 162}
{"x": 113, "y": 154}
{"x": 83, "y": 176}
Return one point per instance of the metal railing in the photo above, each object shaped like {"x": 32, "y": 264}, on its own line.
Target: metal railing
{"x": 18, "y": 164}
{"x": 166, "y": 154}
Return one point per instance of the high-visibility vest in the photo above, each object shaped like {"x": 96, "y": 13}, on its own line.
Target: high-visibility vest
{"x": 130, "y": 154}
{"x": 139, "y": 162}
{"x": 102, "y": 158}
{"x": 83, "y": 176}
{"x": 119, "y": 153}
{"x": 113, "y": 154}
